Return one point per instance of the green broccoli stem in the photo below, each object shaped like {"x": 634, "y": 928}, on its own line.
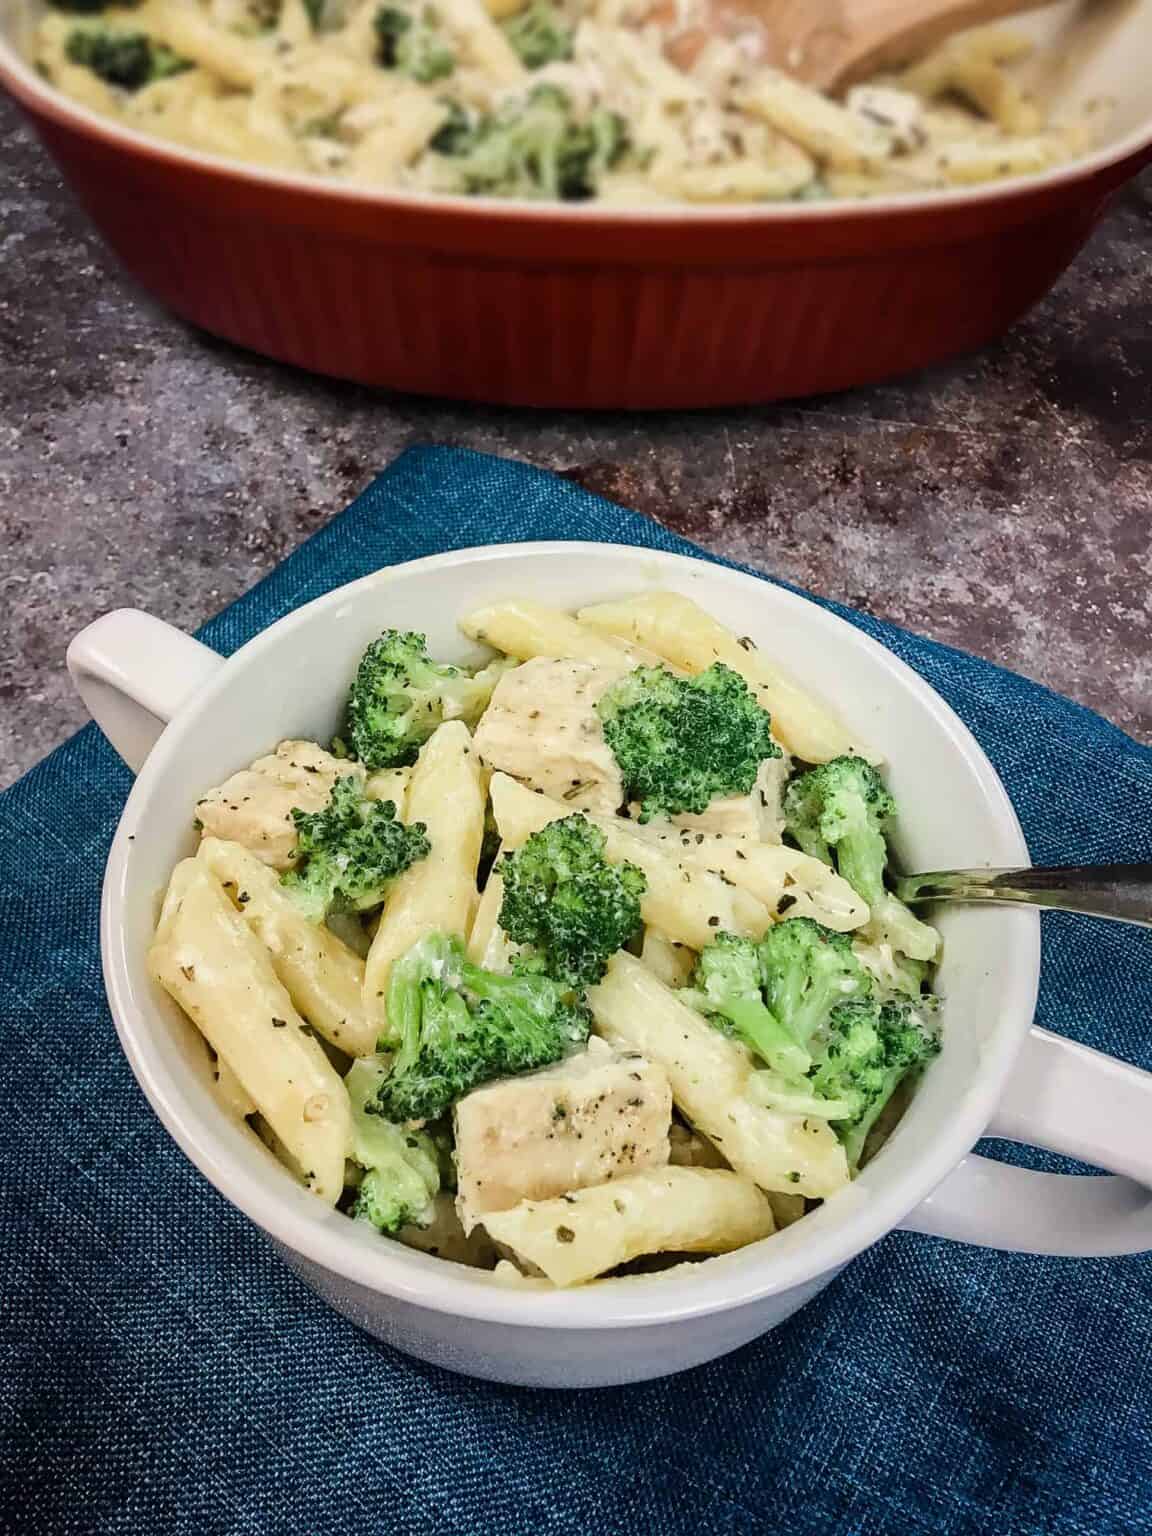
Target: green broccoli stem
{"x": 403, "y": 1173}
{"x": 854, "y": 1135}
{"x": 861, "y": 856}
{"x": 768, "y": 1036}
{"x": 797, "y": 1096}
{"x": 809, "y": 841}
{"x": 458, "y": 1026}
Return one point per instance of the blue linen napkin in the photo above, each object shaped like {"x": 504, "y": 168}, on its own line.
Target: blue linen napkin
{"x": 162, "y": 1371}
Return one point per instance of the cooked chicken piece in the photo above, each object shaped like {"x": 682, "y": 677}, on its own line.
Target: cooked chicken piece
{"x": 254, "y": 807}
{"x": 596, "y": 1116}
{"x": 771, "y": 782}
{"x": 542, "y": 728}
{"x": 756, "y": 815}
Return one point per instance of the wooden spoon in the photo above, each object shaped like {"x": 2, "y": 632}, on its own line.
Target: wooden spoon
{"x": 829, "y": 44}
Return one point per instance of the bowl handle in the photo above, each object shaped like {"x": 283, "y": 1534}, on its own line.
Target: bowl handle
{"x": 1069, "y": 1099}
{"x": 134, "y": 673}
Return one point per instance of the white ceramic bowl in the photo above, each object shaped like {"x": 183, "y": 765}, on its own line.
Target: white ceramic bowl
{"x": 993, "y": 1075}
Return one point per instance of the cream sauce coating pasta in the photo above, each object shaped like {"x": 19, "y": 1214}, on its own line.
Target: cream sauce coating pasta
{"x": 653, "y": 1123}
{"x": 543, "y": 99}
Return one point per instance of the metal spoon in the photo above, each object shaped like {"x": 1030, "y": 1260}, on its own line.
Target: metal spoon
{"x": 1119, "y": 891}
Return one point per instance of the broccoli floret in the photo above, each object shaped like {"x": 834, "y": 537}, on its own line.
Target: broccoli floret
{"x": 895, "y": 975}
{"x": 532, "y": 147}
{"x": 865, "y": 1051}
{"x": 400, "y": 696}
{"x": 125, "y": 59}
{"x": 563, "y": 898}
{"x": 906, "y": 1044}
{"x": 413, "y": 46}
{"x": 348, "y": 854}
{"x": 457, "y": 1026}
{"x": 403, "y": 1167}
{"x": 727, "y": 988}
{"x": 838, "y": 813}
{"x": 539, "y": 34}
{"x": 807, "y": 971}
{"x": 455, "y": 133}
{"x": 682, "y": 741}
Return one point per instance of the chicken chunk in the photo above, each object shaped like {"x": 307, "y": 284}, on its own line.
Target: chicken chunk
{"x": 542, "y": 727}
{"x": 900, "y": 113}
{"x": 254, "y": 807}
{"x": 598, "y": 1115}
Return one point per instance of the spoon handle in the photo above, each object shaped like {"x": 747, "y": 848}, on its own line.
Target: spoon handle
{"x": 832, "y": 43}
{"x": 1120, "y": 891}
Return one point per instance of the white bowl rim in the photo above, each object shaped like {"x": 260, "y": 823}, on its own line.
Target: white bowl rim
{"x": 57, "y": 104}
{"x": 839, "y": 1233}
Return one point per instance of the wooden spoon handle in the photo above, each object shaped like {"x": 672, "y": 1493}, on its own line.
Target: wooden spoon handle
{"x": 831, "y": 43}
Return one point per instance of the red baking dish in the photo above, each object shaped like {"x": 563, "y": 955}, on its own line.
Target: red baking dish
{"x": 562, "y": 305}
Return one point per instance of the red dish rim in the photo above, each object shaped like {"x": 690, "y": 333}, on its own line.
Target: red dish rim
{"x": 36, "y": 94}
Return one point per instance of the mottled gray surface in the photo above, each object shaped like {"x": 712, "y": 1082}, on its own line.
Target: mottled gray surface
{"x": 1001, "y": 503}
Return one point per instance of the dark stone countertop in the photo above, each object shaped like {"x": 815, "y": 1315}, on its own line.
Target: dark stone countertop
{"x": 1001, "y": 503}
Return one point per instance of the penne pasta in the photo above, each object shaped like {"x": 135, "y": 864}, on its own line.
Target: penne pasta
{"x": 323, "y": 977}
{"x": 438, "y": 894}
{"x": 709, "y": 1073}
{"x": 672, "y": 963}
{"x": 230, "y": 1092}
{"x": 685, "y": 903}
{"x": 583, "y": 1234}
{"x": 590, "y": 99}
{"x": 237, "y": 61}
{"x": 678, "y": 630}
{"x": 207, "y": 958}
{"x": 389, "y": 784}
{"x": 786, "y": 881}
{"x": 488, "y": 944}
{"x": 526, "y": 629}
{"x": 845, "y": 140}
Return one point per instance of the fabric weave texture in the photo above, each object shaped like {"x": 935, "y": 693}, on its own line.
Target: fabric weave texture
{"x": 162, "y": 1371}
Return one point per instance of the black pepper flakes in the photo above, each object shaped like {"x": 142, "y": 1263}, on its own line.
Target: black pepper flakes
{"x": 565, "y": 1235}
